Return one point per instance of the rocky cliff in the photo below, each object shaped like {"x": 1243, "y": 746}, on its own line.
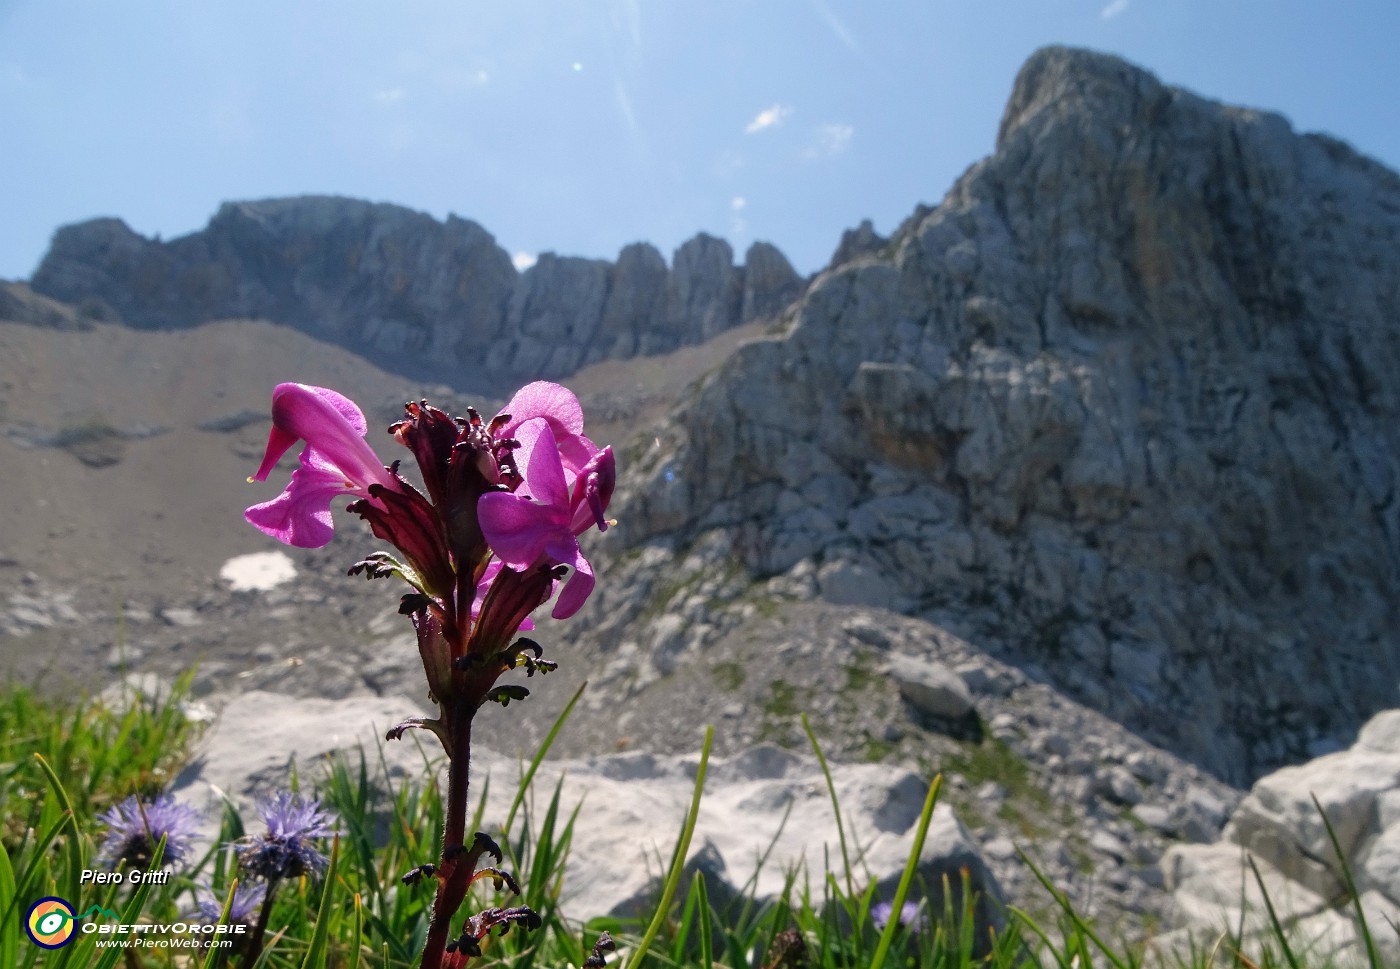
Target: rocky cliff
{"x": 1121, "y": 410}
{"x": 400, "y": 285}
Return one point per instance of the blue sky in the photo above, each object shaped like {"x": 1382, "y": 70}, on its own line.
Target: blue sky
{"x": 578, "y": 126}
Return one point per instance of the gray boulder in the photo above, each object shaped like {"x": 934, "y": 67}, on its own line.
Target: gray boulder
{"x": 1279, "y": 828}
{"x": 932, "y": 689}
{"x": 770, "y": 283}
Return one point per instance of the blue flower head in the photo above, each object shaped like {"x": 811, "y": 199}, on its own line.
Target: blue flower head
{"x": 135, "y": 828}
{"x": 911, "y": 916}
{"x": 247, "y": 898}
{"x": 286, "y": 851}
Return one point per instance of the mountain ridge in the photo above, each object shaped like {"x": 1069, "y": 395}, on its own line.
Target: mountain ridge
{"x": 397, "y": 284}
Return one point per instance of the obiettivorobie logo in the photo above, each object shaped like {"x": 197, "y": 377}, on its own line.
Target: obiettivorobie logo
{"x": 52, "y": 924}
{"x": 50, "y": 921}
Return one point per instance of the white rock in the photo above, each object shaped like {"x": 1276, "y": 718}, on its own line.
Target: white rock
{"x": 1279, "y": 819}
{"x": 931, "y": 688}
{"x": 1381, "y": 733}
{"x": 258, "y": 571}
{"x": 1209, "y": 883}
{"x": 763, "y": 801}
{"x": 1278, "y": 824}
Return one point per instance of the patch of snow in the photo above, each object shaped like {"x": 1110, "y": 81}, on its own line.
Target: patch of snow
{"x": 259, "y": 571}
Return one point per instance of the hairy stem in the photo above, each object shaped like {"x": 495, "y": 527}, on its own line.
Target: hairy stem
{"x": 455, "y": 869}
{"x": 255, "y": 941}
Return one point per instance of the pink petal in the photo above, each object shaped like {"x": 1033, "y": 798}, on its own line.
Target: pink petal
{"x": 561, "y": 409}
{"x": 279, "y": 442}
{"x": 539, "y": 464}
{"x": 301, "y": 515}
{"x": 545, "y": 399}
{"x": 592, "y": 491}
{"x": 516, "y": 528}
{"x": 577, "y": 588}
{"x": 329, "y": 422}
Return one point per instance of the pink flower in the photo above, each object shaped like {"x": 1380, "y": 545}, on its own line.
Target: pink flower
{"x": 560, "y": 408}
{"x": 539, "y": 523}
{"x": 336, "y": 461}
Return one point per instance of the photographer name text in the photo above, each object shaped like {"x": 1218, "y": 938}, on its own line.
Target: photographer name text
{"x": 93, "y": 877}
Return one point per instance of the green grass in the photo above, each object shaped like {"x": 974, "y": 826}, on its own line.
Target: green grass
{"x": 106, "y": 754}
{"x": 61, "y": 764}
{"x": 990, "y": 759}
{"x": 729, "y": 675}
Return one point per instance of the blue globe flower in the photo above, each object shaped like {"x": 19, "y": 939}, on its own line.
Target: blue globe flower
{"x": 286, "y": 851}
{"x": 135, "y": 828}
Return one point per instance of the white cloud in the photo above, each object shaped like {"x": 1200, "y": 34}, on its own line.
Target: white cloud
{"x": 389, "y": 95}
{"x": 837, "y": 27}
{"x": 524, "y": 260}
{"x": 832, "y": 139}
{"x": 1114, "y": 8}
{"x": 624, "y": 105}
{"x": 769, "y": 118}
{"x": 738, "y": 202}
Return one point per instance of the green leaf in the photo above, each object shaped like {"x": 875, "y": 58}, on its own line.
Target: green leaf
{"x": 316, "y": 954}
{"x": 678, "y": 859}
{"x": 132, "y": 912}
{"x": 9, "y": 940}
{"x": 902, "y": 892}
{"x": 212, "y": 957}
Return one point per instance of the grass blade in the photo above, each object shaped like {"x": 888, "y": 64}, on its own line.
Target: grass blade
{"x": 9, "y": 941}
{"x": 678, "y": 862}
{"x": 1273, "y": 917}
{"x": 132, "y": 913}
{"x": 539, "y": 757}
{"x": 316, "y": 954}
{"x": 354, "y": 962}
{"x": 902, "y": 892}
{"x": 1082, "y": 930}
{"x": 73, "y": 847}
{"x": 835, "y": 805}
{"x": 703, "y": 913}
{"x": 215, "y": 955}
{"x": 1372, "y": 956}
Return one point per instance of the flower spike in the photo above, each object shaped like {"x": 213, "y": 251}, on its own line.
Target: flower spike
{"x": 490, "y": 535}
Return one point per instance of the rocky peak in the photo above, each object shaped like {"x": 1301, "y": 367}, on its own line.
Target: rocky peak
{"x": 400, "y": 284}
{"x": 1059, "y": 81}
{"x": 857, "y": 242}
{"x": 1121, "y": 410}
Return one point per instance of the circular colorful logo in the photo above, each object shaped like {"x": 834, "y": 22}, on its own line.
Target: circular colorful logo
{"x": 50, "y": 922}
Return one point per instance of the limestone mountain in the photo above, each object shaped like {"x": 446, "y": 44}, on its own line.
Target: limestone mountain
{"x": 428, "y": 296}
{"x": 1105, "y": 439}
{"x": 1120, "y": 410}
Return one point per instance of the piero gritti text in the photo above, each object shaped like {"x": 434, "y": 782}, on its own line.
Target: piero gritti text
{"x": 91, "y": 876}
